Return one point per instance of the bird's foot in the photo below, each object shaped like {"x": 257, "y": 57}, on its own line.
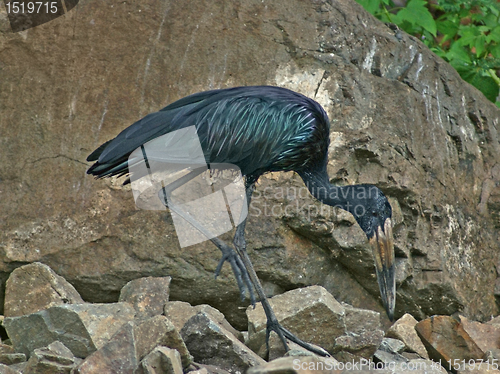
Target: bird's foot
{"x": 239, "y": 270}
{"x": 283, "y": 334}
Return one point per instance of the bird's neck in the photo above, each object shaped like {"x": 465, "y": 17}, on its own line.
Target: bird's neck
{"x": 321, "y": 188}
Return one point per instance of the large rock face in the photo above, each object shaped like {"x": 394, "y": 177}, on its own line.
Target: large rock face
{"x": 401, "y": 119}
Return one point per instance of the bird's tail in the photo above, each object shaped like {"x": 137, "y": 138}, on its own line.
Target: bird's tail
{"x": 94, "y": 156}
{"x": 107, "y": 169}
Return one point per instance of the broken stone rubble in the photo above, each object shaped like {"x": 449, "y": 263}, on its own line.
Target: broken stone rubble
{"x": 404, "y": 330}
{"x": 179, "y": 312}
{"x": 316, "y": 317}
{"x": 41, "y": 288}
{"x": 210, "y": 343}
{"x": 55, "y": 358}
{"x": 83, "y": 328}
{"x": 136, "y": 336}
{"x": 161, "y": 360}
{"x": 459, "y": 344}
{"x": 148, "y": 295}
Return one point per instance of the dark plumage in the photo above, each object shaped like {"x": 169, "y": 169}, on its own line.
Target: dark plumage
{"x": 262, "y": 129}
{"x": 259, "y": 129}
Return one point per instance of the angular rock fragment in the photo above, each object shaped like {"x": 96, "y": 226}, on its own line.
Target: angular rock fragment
{"x": 362, "y": 336}
{"x": 404, "y": 330}
{"x": 311, "y": 313}
{"x": 210, "y": 343}
{"x": 411, "y": 355}
{"x": 486, "y": 336}
{"x": 445, "y": 339}
{"x": 34, "y": 287}
{"x": 492, "y": 355}
{"x": 161, "y": 360}
{"x": 389, "y": 351}
{"x": 4, "y": 369}
{"x": 117, "y": 356}
{"x": 54, "y": 359}
{"x": 12, "y": 358}
{"x": 4, "y": 348}
{"x": 148, "y": 295}
{"x": 82, "y": 328}
{"x": 494, "y": 321}
{"x": 392, "y": 345}
{"x": 316, "y": 317}
{"x": 388, "y": 358}
{"x": 123, "y": 353}
{"x": 179, "y": 312}
{"x": 159, "y": 331}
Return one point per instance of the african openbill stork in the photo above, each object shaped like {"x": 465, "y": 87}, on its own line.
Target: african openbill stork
{"x": 262, "y": 129}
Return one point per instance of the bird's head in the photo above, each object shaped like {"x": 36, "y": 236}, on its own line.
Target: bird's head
{"x": 372, "y": 211}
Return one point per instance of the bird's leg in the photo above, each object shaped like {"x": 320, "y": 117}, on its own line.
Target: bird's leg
{"x": 239, "y": 270}
{"x": 240, "y": 262}
{"x": 272, "y": 322}
{"x": 239, "y": 236}
{"x": 228, "y": 253}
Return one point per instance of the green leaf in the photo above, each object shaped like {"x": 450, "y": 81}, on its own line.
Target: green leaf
{"x": 495, "y": 50}
{"x": 494, "y": 35}
{"x": 483, "y": 28}
{"x": 448, "y": 6}
{"x": 477, "y": 17}
{"x": 484, "y": 83}
{"x": 468, "y": 35}
{"x": 458, "y": 53}
{"x": 371, "y": 6}
{"x": 479, "y": 45}
{"x": 417, "y": 14}
{"x": 439, "y": 52}
{"x": 448, "y": 28}
{"x": 490, "y": 20}
{"x": 385, "y": 18}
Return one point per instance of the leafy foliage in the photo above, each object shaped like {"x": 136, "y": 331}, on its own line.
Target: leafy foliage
{"x": 466, "y": 33}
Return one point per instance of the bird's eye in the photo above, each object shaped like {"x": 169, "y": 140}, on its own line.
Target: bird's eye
{"x": 375, "y": 214}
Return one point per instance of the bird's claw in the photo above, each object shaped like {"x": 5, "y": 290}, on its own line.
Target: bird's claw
{"x": 219, "y": 266}
{"x": 239, "y": 270}
{"x": 284, "y": 334}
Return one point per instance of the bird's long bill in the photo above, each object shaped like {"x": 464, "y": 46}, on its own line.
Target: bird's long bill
{"x": 383, "y": 252}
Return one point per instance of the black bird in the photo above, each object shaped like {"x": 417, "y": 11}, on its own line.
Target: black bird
{"x": 262, "y": 129}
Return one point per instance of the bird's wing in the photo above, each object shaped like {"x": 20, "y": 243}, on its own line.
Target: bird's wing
{"x": 173, "y": 117}
{"x": 246, "y": 126}
{"x": 112, "y": 156}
